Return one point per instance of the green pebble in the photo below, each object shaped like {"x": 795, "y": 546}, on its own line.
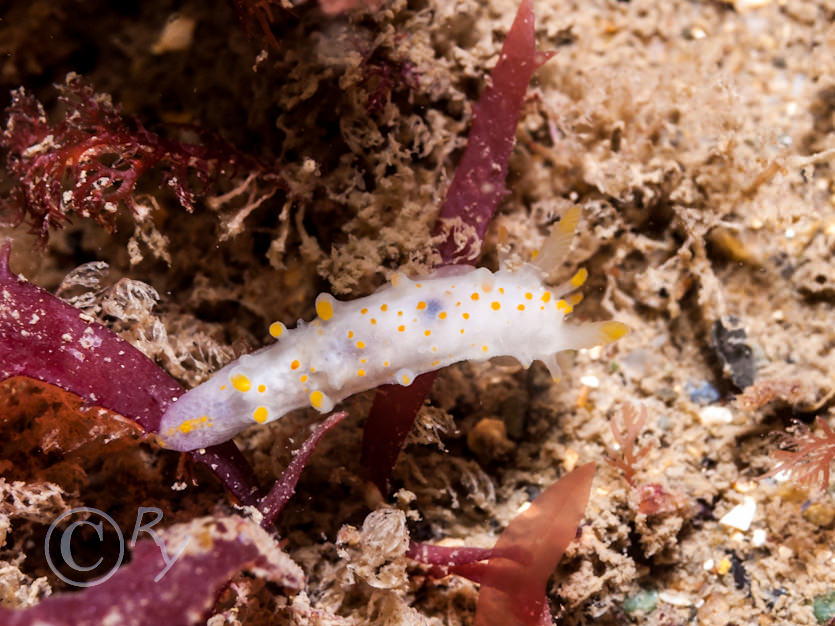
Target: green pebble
{"x": 823, "y": 606}
{"x": 644, "y": 601}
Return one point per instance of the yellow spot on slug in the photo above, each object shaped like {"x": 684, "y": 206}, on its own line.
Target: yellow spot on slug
{"x": 421, "y": 305}
{"x": 534, "y": 254}
{"x": 360, "y": 372}
{"x": 260, "y": 415}
{"x": 385, "y": 363}
{"x": 187, "y": 426}
{"x": 262, "y": 388}
{"x": 384, "y": 307}
{"x": 294, "y": 365}
{"x": 222, "y": 387}
{"x": 563, "y": 306}
{"x": 373, "y": 321}
{"x": 400, "y": 312}
{"x": 418, "y": 285}
{"x": 395, "y": 280}
{"x": 435, "y": 362}
{"x": 529, "y": 296}
{"x": 457, "y": 304}
{"x": 360, "y": 345}
{"x": 406, "y": 380}
{"x": 363, "y": 311}
{"x": 484, "y": 348}
{"x": 580, "y": 277}
{"x": 575, "y": 298}
{"x": 474, "y": 296}
{"x": 401, "y": 328}
{"x": 312, "y": 370}
{"x": 442, "y": 315}
{"x": 350, "y": 334}
{"x": 486, "y": 287}
{"x": 462, "y": 331}
{"x": 324, "y": 308}
{"x": 612, "y": 331}
{"x": 303, "y": 378}
{"x": 363, "y": 361}
{"x": 466, "y": 316}
{"x": 521, "y": 307}
{"x": 276, "y": 329}
{"x": 241, "y": 382}
{"x": 434, "y": 348}
{"x": 495, "y": 306}
{"x": 316, "y": 399}
{"x": 427, "y": 332}
{"x": 546, "y": 296}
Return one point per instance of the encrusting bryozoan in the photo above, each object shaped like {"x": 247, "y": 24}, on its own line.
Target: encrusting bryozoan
{"x": 458, "y": 313}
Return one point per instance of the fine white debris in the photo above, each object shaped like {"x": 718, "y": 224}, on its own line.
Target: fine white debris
{"x": 741, "y": 516}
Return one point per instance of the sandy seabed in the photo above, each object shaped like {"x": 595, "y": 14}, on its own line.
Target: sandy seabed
{"x": 695, "y": 136}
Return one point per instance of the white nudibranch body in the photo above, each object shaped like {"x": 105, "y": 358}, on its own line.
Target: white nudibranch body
{"x": 403, "y": 330}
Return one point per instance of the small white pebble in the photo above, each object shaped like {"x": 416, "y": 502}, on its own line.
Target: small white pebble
{"x": 590, "y": 381}
{"x": 741, "y": 516}
{"x": 744, "y": 486}
{"x": 790, "y": 233}
{"x": 759, "y": 537}
{"x": 716, "y": 415}
{"x": 262, "y": 56}
{"x": 782, "y": 476}
{"x": 309, "y": 166}
{"x": 784, "y": 553}
{"x": 176, "y": 35}
{"x": 675, "y": 598}
{"x": 741, "y": 5}
{"x": 708, "y": 565}
{"x": 595, "y": 352}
